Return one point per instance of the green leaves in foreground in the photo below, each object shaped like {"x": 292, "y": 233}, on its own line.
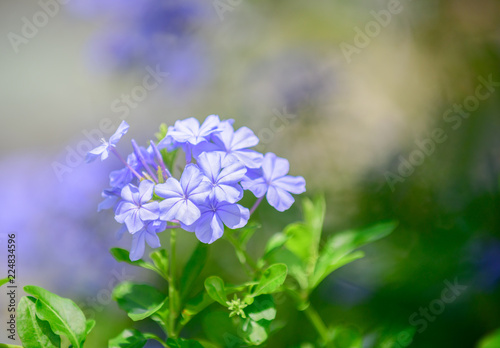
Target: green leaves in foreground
{"x": 138, "y": 300}
{"x": 44, "y": 317}
{"x": 298, "y": 246}
{"x": 490, "y": 341}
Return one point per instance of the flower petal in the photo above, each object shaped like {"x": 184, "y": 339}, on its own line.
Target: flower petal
{"x": 233, "y": 215}
{"x": 120, "y": 132}
{"x": 137, "y": 249}
{"x": 279, "y": 199}
{"x": 293, "y": 184}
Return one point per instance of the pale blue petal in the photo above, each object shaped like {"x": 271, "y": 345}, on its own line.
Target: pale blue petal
{"x": 293, "y": 184}
{"x": 137, "y": 249}
{"x": 279, "y": 199}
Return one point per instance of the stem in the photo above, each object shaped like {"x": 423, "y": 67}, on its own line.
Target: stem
{"x": 172, "y": 315}
{"x": 256, "y": 204}
{"x": 117, "y": 154}
{"x": 318, "y": 324}
{"x": 165, "y": 171}
{"x": 249, "y": 261}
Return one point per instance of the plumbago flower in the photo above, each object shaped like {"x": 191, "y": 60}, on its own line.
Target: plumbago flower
{"x": 220, "y": 165}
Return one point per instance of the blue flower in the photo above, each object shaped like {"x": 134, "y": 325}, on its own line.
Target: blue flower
{"x": 223, "y": 175}
{"x": 107, "y": 146}
{"x": 135, "y": 210}
{"x": 272, "y": 180}
{"x": 234, "y": 145}
{"x": 189, "y": 130}
{"x": 147, "y": 234}
{"x": 111, "y": 197}
{"x": 214, "y": 215}
{"x": 181, "y": 198}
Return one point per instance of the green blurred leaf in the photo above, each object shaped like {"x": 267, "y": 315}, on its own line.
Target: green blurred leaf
{"x": 490, "y": 341}
{"x": 394, "y": 338}
{"x": 195, "y": 306}
{"x": 32, "y": 331}
{"x": 296, "y": 267}
{"x": 221, "y": 329}
{"x": 64, "y": 316}
{"x": 215, "y": 289}
{"x": 255, "y": 333}
{"x": 338, "y": 250}
{"x": 4, "y": 281}
{"x": 138, "y": 300}
{"x": 304, "y": 237}
{"x": 274, "y": 243}
{"x": 255, "y": 329}
{"x": 348, "y": 337}
{"x": 272, "y": 278}
{"x": 193, "y": 268}
{"x": 160, "y": 260}
{"x": 129, "y": 338}
{"x": 182, "y": 343}
{"x": 122, "y": 255}
{"x": 247, "y": 232}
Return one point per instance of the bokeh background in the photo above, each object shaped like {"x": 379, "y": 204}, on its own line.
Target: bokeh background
{"x": 347, "y": 99}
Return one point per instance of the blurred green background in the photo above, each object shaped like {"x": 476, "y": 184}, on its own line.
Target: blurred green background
{"x": 351, "y": 92}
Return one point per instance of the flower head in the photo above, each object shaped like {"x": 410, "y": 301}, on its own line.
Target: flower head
{"x": 182, "y": 197}
{"x": 106, "y": 146}
{"x": 272, "y": 180}
{"x": 135, "y": 209}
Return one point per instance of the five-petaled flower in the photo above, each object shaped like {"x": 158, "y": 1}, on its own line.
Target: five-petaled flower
{"x": 136, "y": 209}
{"x": 272, "y": 180}
{"x": 181, "y": 198}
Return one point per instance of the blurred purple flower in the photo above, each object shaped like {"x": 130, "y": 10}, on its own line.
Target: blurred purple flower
{"x": 107, "y": 146}
{"x": 147, "y": 234}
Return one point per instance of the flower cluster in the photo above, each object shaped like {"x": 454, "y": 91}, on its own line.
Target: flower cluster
{"x": 220, "y": 165}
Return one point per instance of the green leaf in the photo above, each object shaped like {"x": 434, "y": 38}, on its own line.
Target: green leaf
{"x": 32, "y": 331}
{"x": 247, "y": 232}
{"x": 396, "y": 337}
{"x": 160, "y": 260}
{"x": 182, "y": 343}
{"x": 195, "y": 306}
{"x": 4, "y": 281}
{"x": 303, "y": 238}
{"x": 138, "y": 300}
{"x": 490, "y": 341}
{"x": 215, "y": 289}
{"x": 272, "y": 278}
{"x": 274, "y": 243}
{"x": 193, "y": 269}
{"x": 129, "y": 338}
{"x": 89, "y": 325}
{"x": 338, "y": 250}
{"x": 262, "y": 308}
{"x": 3, "y": 345}
{"x": 63, "y": 315}
{"x": 122, "y": 255}
{"x": 220, "y": 329}
{"x": 344, "y": 336}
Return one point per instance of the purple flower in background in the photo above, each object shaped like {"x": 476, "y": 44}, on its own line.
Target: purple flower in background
{"x": 214, "y": 215}
{"x": 104, "y": 149}
{"x": 223, "y": 175}
{"x": 272, "y": 180}
{"x": 234, "y": 145}
{"x": 181, "y": 199}
{"x": 190, "y": 131}
{"x": 147, "y": 234}
{"x": 135, "y": 210}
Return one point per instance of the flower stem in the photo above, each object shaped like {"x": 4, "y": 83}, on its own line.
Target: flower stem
{"x": 117, "y": 154}
{"x": 172, "y": 315}
{"x": 318, "y": 324}
{"x": 256, "y": 204}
